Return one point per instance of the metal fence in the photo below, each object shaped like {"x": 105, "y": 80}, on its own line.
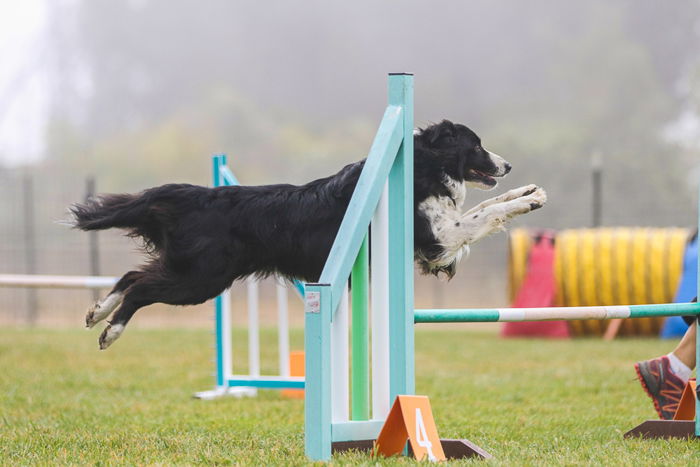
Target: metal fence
{"x": 33, "y": 241}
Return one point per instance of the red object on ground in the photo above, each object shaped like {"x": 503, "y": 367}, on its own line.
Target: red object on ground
{"x": 537, "y": 290}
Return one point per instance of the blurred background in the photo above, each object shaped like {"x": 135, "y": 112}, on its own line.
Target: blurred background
{"x": 120, "y": 96}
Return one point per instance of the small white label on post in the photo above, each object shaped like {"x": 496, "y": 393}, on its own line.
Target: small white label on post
{"x": 313, "y": 302}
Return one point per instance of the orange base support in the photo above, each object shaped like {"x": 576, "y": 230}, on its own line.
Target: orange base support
{"x": 686, "y": 406}
{"x": 682, "y": 425}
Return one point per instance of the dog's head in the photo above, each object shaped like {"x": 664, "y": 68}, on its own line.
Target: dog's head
{"x": 462, "y": 155}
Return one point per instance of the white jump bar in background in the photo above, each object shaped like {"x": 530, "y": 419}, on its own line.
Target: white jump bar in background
{"x": 56, "y": 282}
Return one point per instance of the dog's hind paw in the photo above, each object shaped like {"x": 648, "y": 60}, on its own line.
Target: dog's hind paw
{"x": 110, "y": 334}
{"x": 95, "y": 314}
{"x": 101, "y": 309}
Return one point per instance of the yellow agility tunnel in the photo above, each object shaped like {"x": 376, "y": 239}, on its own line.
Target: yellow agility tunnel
{"x": 608, "y": 266}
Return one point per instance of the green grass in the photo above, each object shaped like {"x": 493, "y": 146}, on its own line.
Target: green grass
{"x": 528, "y": 402}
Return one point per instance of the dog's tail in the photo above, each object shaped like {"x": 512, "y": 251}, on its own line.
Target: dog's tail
{"x": 149, "y": 214}
{"x": 135, "y": 213}
{"x": 124, "y": 211}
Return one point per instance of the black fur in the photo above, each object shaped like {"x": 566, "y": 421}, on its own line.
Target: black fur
{"x": 201, "y": 239}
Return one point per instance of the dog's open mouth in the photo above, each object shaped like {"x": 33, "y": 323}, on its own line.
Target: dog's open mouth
{"x": 482, "y": 177}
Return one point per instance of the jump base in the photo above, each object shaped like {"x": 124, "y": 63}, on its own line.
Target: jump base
{"x": 453, "y": 448}
{"x": 663, "y": 429}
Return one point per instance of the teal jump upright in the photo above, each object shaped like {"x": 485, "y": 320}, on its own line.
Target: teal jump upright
{"x": 401, "y": 363}
{"x": 390, "y": 159}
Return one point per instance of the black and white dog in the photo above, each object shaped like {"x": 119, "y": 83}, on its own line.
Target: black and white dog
{"x": 201, "y": 239}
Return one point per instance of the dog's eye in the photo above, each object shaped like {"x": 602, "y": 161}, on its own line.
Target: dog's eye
{"x": 478, "y": 147}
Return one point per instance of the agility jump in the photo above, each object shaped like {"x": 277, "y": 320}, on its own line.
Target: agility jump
{"x": 384, "y": 198}
{"x": 228, "y": 384}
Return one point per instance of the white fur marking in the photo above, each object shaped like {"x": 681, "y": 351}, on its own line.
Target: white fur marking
{"x": 103, "y": 308}
{"x": 111, "y": 301}
{"x": 499, "y": 162}
{"x": 444, "y": 216}
{"x": 458, "y": 190}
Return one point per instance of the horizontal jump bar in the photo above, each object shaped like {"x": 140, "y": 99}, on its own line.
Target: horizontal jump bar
{"x": 56, "y": 282}
{"x": 478, "y": 315}
{"x": 272, "y": 382}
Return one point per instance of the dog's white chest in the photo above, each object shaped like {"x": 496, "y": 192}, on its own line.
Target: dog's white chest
{"x": 444, "y": 215}
{"x": 444, "y": 212}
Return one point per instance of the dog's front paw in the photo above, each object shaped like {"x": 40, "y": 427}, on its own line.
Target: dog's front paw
{"x": 537, "y": 198}
{"x": 519, "y": 192}
{"x": 528, "y": 203}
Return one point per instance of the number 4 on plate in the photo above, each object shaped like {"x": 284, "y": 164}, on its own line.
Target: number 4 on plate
{"x": 410, "y": 419}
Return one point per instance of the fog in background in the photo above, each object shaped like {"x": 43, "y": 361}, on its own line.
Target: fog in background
{"x": 143, "y": 92}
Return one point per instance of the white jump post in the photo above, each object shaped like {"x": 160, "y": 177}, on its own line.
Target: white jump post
{"x": 379, "y": 296}
{"x": 253, "y": 327}
{"x": 282, "y": 328}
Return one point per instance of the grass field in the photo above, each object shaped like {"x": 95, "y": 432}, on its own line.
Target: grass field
{"x": 526, "y": 402}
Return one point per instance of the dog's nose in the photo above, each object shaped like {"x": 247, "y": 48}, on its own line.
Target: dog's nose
{"x": 508, "y": 167}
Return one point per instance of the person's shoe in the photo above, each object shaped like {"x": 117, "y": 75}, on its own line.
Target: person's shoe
{"x": 661, "y": 384}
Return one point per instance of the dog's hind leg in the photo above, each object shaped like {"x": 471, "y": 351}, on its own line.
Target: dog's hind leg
{"x": 102, "y": 308}
{"x": 115, "y": 328}
{"x": 160, "y": 287}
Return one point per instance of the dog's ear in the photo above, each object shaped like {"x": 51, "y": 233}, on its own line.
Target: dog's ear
{"x": 443, "y": 129}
